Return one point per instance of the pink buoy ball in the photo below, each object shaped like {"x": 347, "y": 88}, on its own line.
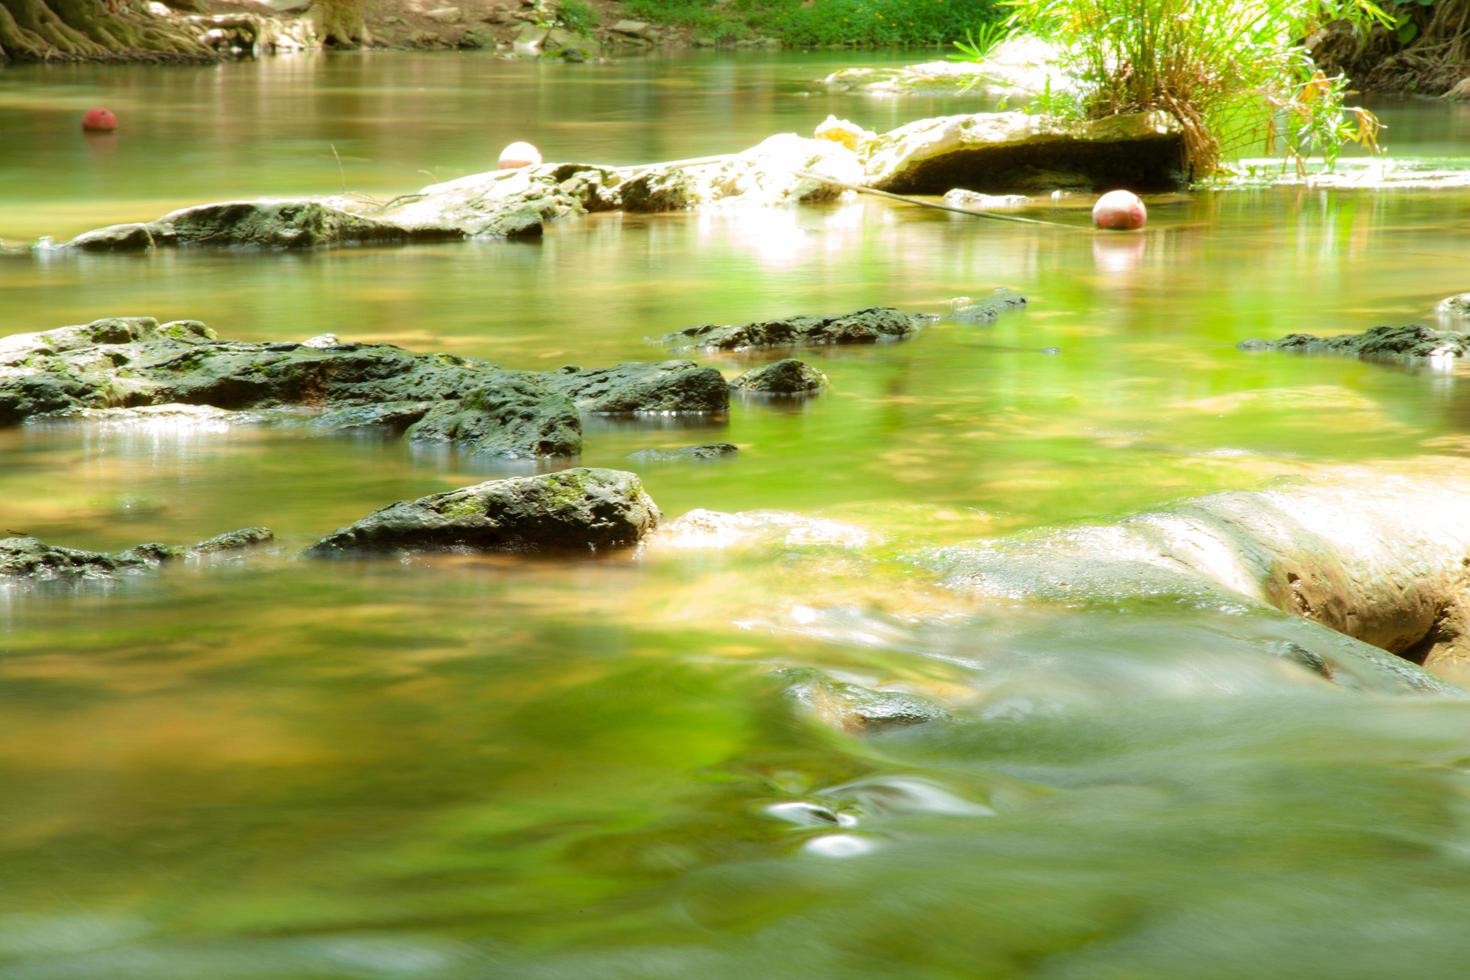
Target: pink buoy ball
{"x": 1119, "y": 211}
{"x": 519, "y": 155}
{"x": 99, "y": 121}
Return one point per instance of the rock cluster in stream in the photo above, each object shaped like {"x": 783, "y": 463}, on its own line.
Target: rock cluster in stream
{"x": 978, "y": 151}
{"x": 26, "y": 557}
{"x": 1410, "y": 342}
{"x": 130, "y": 362}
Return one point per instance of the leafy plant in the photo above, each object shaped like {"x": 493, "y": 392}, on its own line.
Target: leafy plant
{"x": 981, "y": 43}
{"x": 1223, "y": 69}
{"x": 1312, "y": 118}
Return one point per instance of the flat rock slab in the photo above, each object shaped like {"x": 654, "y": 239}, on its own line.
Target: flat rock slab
{"x": 1413, "y": 342}
{"x": 24, "y": 557}
{"x": 1017, "y": 151}
{"x": 136, "y": 363}
{"x": 574, "y": 510}
{"x": 862, "y": 327}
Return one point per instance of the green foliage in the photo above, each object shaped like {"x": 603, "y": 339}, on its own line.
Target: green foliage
{"x": 1226, "y": 70}
{"x": 1312, "y": 117}
{"x": 576, "y": 16}
{"x": 825, "y": 23}
{"x": 980, "y": 43}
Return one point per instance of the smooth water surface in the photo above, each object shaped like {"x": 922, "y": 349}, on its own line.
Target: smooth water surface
{"x": 501, "y": 766}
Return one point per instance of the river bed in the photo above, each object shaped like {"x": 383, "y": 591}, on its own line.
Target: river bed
{"x": 530, "y": 768}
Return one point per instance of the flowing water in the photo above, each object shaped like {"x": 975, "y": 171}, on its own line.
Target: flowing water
{"x": 476, "y": 767}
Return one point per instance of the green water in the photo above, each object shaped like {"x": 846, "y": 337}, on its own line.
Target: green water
{"x": 476, "y": 767}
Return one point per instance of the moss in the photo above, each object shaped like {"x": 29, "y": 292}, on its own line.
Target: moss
{"x": 462, "y": 508}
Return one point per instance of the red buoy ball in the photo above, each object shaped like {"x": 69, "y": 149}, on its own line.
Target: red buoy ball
{"x": 1119, "y": 211}
{"x": 99, "y": 121}
{"x": 519, "y": 155}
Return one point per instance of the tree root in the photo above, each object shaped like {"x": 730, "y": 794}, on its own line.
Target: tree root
{"x": 93, "y": 30}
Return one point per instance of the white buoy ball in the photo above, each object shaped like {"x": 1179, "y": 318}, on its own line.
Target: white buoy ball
{"x": 519, "y": 154}
{"x": 1119, "y": 211}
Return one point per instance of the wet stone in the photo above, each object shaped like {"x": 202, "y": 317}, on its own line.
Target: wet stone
{"x": 26, "y": 557}
{"x": 576, "y": 510}
{"x": 787, "y": 376}
{"x": 865, "y": 326}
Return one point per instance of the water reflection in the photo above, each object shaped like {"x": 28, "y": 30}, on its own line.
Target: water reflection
{"x": 494, "y": 766}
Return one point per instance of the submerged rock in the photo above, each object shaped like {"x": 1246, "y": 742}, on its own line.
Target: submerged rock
{"x": 573, "y": 510}
{"x": 857, "y": 709}
{"x": 989, "y": 309}
{"x": 30, "y": 558}
{"x": 787, "y": 376}
{"x": 134, "y": 362}
{"x": 715, "y": 450}
{"x": 1410, "y": 342}
{"x": 867, "y": 326}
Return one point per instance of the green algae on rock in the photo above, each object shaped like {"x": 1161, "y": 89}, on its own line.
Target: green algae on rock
{"x": 573, "y": 510}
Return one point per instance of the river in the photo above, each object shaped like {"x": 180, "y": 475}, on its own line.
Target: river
{"x": 501, "y": 766}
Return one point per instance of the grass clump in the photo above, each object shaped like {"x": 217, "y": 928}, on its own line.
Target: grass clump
{"x": 1232, "y": 72}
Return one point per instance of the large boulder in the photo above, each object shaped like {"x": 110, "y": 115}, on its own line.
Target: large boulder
{"x": 877, "y": 323}
{"x": 1018, "y": 151}
{"x": 573, "y": 510}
